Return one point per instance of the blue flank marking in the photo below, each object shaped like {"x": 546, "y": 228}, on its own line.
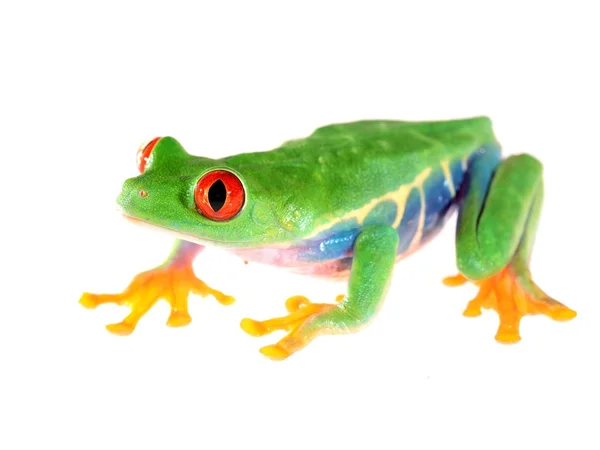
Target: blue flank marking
{"x": 338, "y": 241}
{"x": 410, "y": 220}
{"x": 482, "y": 165}
{"x": 332, "y": 247}
{"x": 384, "y": 213}
{"x": 458, "y": 175}
{"x": 439, "y": 201}
{"x": 439, "y": 198}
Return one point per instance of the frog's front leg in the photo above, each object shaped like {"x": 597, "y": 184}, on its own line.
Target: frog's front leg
{"x": 496, "y": 230}
{"x": 372, "y": 265}
{"x": 173, "y": 281}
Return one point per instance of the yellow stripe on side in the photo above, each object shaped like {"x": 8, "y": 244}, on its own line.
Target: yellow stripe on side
{"x": 399, "y": 197}
{"x": 419, "y": 233}
{"x": 448, "y": 176}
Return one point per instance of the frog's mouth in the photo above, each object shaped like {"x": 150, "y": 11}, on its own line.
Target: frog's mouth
{"x": 186, "y": 237}
{"x": 173, "y": 233}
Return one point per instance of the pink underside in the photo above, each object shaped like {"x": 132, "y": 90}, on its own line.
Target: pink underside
{"x": 288, "y": 258}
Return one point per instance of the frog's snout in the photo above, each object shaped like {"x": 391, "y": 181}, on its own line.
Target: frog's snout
{"x": 131, "y": 194}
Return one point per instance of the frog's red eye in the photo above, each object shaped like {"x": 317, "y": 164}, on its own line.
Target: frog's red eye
{"x": 219, "y": 195}
{"x": 144, "y": 152}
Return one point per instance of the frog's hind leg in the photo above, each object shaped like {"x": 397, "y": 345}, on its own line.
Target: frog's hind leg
{"x": 496, "y": 231}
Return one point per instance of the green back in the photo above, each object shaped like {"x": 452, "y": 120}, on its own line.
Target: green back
{"x": 341, "y": 167}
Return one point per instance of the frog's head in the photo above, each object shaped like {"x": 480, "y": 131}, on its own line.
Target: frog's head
{"x": 197, "y": 198}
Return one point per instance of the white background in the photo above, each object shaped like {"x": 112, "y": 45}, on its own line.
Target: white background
{"x": 82, "y": 84}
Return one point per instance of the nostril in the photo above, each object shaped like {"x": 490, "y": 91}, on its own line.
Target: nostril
{"x": 143, "y": 193}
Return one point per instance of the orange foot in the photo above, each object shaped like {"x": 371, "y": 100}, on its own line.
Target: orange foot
{"x": 170, "y": 283}
{"x": 512, "y": 297}
{"x": 297, "y": 323}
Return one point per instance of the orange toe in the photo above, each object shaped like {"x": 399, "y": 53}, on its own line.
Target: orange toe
{"x": 512, "y": 297}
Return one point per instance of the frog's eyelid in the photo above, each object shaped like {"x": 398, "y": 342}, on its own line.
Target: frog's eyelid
{"x": 144, "y": 152}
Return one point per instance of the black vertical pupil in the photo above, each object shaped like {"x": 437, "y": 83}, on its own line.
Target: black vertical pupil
{"x": 217, "y": 194}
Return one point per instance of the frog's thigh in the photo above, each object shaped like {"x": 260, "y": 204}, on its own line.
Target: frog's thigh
{"x": 494, "y": 241}
{"x": 497, "y": 221}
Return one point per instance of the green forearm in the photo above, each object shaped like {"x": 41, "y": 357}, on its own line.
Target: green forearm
{"x": 374, "y": 257}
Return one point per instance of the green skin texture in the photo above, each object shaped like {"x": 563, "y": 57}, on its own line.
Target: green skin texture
{"x": 496, "y": 224}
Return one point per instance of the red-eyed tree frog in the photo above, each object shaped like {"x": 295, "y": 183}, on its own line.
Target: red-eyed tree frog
{"x": 350, "y": 200}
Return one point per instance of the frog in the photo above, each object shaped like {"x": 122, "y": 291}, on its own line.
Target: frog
{"x": 348, "y": 202}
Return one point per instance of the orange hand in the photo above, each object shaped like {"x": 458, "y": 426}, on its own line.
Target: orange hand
{"x": 301, "y": 312}
{"x": 172, "y": 283}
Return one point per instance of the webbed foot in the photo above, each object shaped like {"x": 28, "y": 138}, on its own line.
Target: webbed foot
{"x": 304, "y": 322}
{"x": 512, "y": 296}
{"x": 172, "y": 283}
